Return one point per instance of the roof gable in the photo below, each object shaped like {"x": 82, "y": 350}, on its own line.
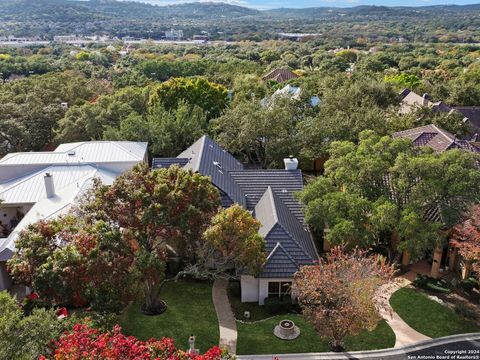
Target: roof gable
{"x": 209, "y": 159}
{"x": 279, "y": 263}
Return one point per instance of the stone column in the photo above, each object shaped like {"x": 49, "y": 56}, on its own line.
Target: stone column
{"x": 406, "y": 258}
{"x": 437, "y": 258}
{"x": 452, "y": 259}
{"x": 466, "y": 269}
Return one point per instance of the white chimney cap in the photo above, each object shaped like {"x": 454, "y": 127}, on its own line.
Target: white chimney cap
{"x": 291, "y": 163}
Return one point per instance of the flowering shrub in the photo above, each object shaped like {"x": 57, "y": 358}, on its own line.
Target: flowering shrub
{"x": 86, "y": 343}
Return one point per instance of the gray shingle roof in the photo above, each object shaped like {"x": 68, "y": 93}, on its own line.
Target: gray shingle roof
{"x": 254, "y": 183}
{"x": 279, "y": 225}
{"x": 209, "y": 159}
{"x": 269, "y": 194}
{"x": 279, "y": 264}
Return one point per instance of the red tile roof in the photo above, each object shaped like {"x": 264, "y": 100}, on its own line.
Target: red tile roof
{"x": 280, "y": 75}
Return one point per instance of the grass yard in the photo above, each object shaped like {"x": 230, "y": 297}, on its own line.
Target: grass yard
{"x": 190, "y": 311}
{"x": 257, "y": 312}
{"x": 427, "y": 316}
{"x": 258, "y": 338}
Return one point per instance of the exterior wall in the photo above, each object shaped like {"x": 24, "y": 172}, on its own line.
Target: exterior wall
{"x": 249, "y": 288}
{"x": 5, "y": 280}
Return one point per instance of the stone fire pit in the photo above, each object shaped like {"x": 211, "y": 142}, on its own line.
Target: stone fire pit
{"x": 286, "y": 330}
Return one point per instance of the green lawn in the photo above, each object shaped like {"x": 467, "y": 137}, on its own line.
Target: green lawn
{"x": 258, "y": 338}
{"x": 257, "y": 312}
{"x": 190, "y": 311}
{"x": 427, "y": 316}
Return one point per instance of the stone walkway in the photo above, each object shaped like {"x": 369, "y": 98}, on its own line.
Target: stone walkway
{"x": 404, "y": 334}
{"x": 226, "y": 318}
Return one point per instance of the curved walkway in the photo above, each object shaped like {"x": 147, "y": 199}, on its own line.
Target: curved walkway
{"x": 404, "y": 334}
{"x": 226, "y": 318}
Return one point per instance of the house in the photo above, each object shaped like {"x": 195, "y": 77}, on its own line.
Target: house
{"x": 289, "y": 91}
{"x": 40, "y": 185}
{"x": 280, "y": 75}
{"x": 411, "y": 101}
{"x": 440, "y": 140}
{"x": 436, "y": 138}
{"x": 269, "y": 196}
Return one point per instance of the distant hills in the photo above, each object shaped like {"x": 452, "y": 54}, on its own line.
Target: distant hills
{"x": 46, "y": 18}
{"x": 103, "y": 9}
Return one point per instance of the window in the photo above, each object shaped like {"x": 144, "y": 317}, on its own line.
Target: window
{"x": 279, "y": 288}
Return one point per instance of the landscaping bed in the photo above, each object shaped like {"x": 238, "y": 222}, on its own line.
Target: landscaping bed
{"x": 258, "y": 338}
{"x": 427, "y": 316}
{"x": 190, "y": 310}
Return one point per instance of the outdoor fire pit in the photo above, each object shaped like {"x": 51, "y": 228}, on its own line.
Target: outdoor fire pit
{"x": 286, "y": 330}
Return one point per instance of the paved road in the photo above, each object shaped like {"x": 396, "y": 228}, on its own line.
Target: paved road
{"x": 457, "y": 347}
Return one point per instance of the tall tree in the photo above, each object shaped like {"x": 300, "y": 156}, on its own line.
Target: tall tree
{"x": 157, "y": 209}
{"x": 210, "y": 97}
{"x": 381, "y": 191}
{"x": 338, "y": 296}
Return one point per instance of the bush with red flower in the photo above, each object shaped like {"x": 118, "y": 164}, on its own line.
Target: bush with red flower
{"x": 86, "y": 343}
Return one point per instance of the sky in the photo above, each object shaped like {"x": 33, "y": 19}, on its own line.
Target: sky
{"x": 272, "y": 4}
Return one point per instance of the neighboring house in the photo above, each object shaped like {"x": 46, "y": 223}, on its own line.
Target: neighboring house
{"x": 40, "y": 185}
{"x": 436, "y": 138}
{"x": 411, "y": 101}
{"x": 269, "y": 195}
{"x": 472, "y": 113}
{"x": 440, "y": 140}
{"x": 289, "y": 91}
{"x": 280, "y": 75}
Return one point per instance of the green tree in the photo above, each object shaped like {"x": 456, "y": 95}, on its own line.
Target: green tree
{"x": 26, "y": 337}
{"x": 156, "y": 210}
{"x": 232, "y": 240}
{"x": 210, "y": 97}
{"x": 263, "y": 135}
{"x": 167, "y": 132}
{"x": 379, "y": 192}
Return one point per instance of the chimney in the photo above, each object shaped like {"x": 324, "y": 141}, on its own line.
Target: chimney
{"x": 49, "y": 187}
{"x": 291, "y": 163}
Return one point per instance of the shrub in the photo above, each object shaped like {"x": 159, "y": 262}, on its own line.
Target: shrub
{"x": 273, "y": 305}
{"x": 469, "y": 284}
{"x": 431, "y": 284}
{"x": 278, "y": 305}
{"x": 464, "y": 311}
{"x": 84, "y": 342}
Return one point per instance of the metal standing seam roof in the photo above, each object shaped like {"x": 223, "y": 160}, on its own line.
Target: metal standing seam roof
{"x": 81, "y": 153}
{"x": 31, "y": 188}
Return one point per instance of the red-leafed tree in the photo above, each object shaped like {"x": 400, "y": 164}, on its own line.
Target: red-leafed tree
{"x": 86, "y": 343}
{"x": 157, "y": 209}
{"x": 76, "y": 262}
{"x": 466, "y": 238}
{"x": 338, "y": 296}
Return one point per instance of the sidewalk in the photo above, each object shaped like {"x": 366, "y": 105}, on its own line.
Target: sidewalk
{"x": 226, "y": 318}
{"x": 404, "y": 334}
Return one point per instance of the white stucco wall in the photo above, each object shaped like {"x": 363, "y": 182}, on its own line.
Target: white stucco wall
{"x": 5, "y": 280}
{"x": 249, "y": 288}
